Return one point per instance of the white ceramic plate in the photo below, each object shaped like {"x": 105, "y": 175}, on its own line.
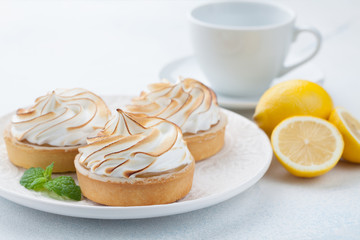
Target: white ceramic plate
{"x": 188, "y": 67}
{"x": 244, "y": 159}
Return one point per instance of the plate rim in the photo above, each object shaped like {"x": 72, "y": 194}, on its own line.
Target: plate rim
{"x": 113, "y": 212}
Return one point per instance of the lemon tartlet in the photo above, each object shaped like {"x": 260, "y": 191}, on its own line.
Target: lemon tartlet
{"x": 54, "y": 127}
{"x": 193, "y": 107}
{"x": 135, "y": 160}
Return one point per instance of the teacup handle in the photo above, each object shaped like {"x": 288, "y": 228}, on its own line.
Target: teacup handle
{"x": 297, "y": 31}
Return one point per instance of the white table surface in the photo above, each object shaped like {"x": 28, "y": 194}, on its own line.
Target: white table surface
{"x": 117, "y": 47}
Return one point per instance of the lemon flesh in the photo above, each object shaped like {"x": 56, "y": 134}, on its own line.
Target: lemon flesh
{"x": 349, "y": 127}
{"x": 291, "y": 98}
{"x": 307, "y": 146}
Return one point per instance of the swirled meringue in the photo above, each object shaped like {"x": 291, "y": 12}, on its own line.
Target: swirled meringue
{"x": 135, "y": 145}
{"x": 63, "y": 117}
{"x": 189, "y": 104}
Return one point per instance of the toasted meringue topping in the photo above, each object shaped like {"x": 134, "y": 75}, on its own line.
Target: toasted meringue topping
{"x": 132, "y": 145}
{"x": 63, "y": 117}
{"x": 188, "y": 103}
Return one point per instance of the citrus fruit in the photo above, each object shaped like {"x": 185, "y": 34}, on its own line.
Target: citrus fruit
{"x": 307, "y": 146}
{"x": 349, "y": 127}
{"x": 291, "y": 98}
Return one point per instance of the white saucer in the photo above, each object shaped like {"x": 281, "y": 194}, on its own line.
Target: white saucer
{"x": 188, "y": 67}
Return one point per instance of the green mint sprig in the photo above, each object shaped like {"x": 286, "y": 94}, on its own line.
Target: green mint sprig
{"x": 38, "y": 179}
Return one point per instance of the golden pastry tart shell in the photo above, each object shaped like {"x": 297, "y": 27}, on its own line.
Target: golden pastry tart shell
{"x": 205, "y": 144}
{"x": 28, "y": 155}
{"x": 111, "y": 191}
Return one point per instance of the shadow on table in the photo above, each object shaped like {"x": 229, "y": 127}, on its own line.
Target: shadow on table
{"x": 215, "y": 222}
{"x": 341, "y": 176}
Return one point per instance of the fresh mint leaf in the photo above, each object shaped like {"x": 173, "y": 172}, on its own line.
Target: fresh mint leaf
{"x": 48, "y": 171}
{"x": 30, "y": 176}
{"x": 64, "y": 186}
{"x": 38, "y": 184}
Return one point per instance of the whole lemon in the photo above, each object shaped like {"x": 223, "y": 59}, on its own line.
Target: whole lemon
{"x": 291, "y": 98}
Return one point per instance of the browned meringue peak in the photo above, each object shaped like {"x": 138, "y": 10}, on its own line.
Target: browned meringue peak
{"x": 132, "y": 144}
{"x": 63, "y": 117}
{"x": 125, "y": 124}
{"x": 188, "y": 103}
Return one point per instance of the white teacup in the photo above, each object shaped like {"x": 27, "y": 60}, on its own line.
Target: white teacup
{"x": 241, "y": 46}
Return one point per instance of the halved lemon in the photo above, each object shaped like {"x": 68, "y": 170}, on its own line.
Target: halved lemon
{"x": 307, "y": 146}
{"x": 349, "y": 127}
